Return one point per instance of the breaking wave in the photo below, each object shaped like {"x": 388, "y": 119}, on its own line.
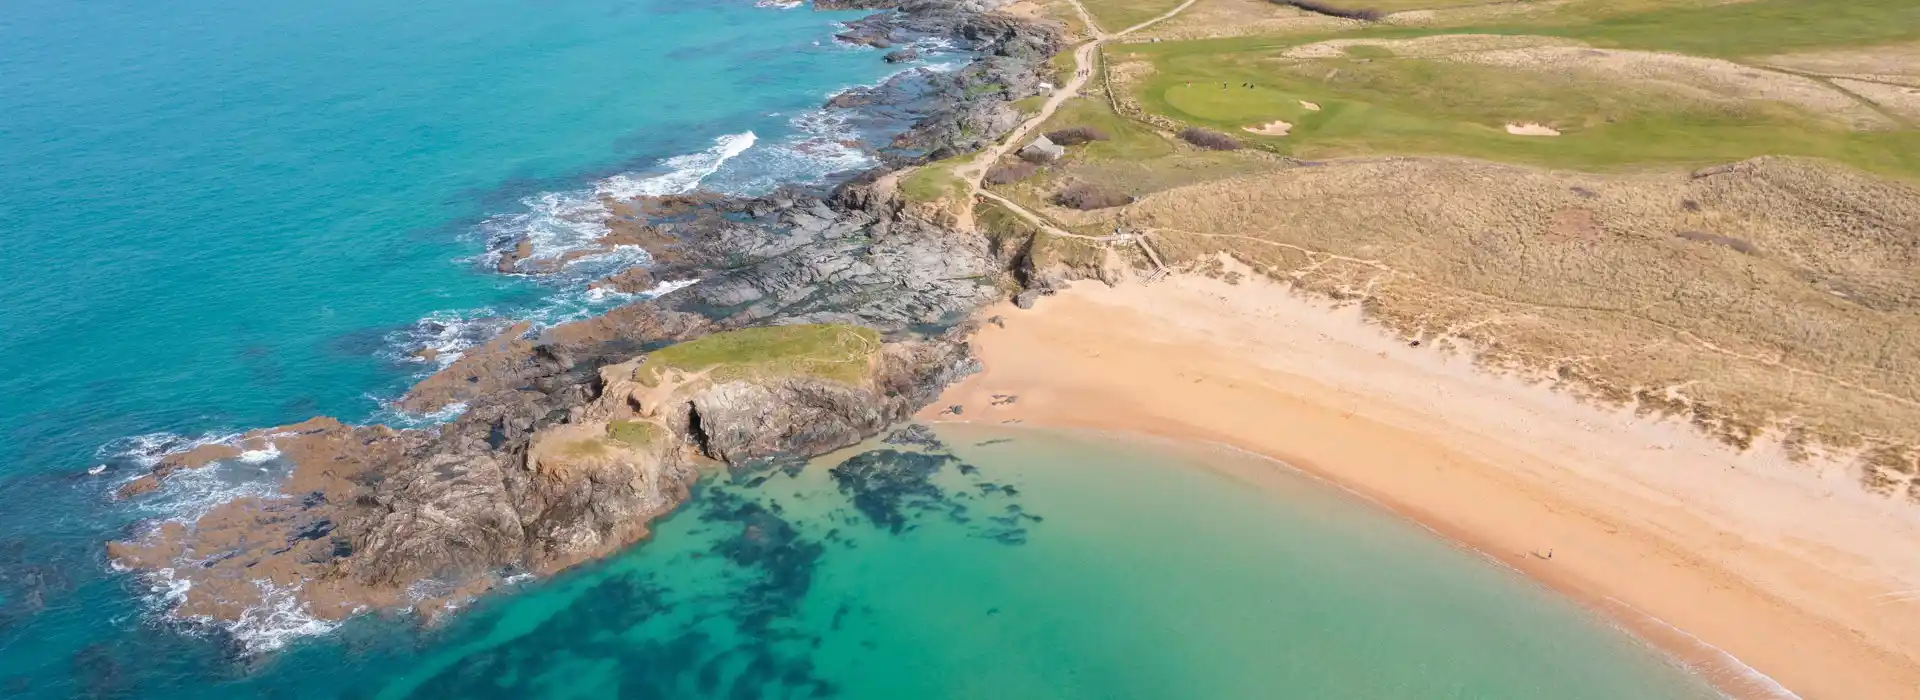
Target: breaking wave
{"x": 188, "y": 494}
{"x": 553, "y": 224}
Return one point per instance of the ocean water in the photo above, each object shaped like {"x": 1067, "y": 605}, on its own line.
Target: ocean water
{"x": 1023, "y": 564}
{"x": 221, "y": 215}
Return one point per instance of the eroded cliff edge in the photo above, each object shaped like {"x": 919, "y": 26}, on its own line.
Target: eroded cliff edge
{"x": 819, "y": 319}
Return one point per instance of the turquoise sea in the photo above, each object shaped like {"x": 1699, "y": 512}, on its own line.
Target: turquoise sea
{"x": 219, "y": 215}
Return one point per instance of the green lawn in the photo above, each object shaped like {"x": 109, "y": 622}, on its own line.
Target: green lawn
{"x": 1720, "y": 29}
{"x": 1415, "y": 106}
{"x": 828, "y": 351}
{"x": 1129, "y": 140}
{"x": 1755, "y": 27}
{"x": 1375, "y": 103}
{"x": 934, "y": 181}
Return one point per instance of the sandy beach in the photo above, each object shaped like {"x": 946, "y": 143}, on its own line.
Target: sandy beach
{"x": 1772, "y": 579}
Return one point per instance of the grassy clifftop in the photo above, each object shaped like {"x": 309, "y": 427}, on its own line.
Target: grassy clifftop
{"x": 836, "y": 352}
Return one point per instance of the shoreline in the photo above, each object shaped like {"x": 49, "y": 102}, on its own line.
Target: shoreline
{"x": 1767, "y": 579}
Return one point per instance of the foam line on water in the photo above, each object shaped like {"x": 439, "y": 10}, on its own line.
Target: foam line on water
{"x": 684, "y": 172}
{"x": 555, "y": 223}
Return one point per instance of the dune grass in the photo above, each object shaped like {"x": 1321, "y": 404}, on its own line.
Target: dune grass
{"x": 836, "y": 352}
{"x": 1115, "y": 15}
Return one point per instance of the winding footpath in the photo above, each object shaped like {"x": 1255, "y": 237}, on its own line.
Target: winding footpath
{"x": 973, "y": 172}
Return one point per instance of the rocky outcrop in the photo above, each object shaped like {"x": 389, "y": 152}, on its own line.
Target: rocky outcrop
{"x": 526, "y": 482}
{"x": 570, "y": 440}
{"x": 958, "y": 111}
{"x": 561, "y": 455}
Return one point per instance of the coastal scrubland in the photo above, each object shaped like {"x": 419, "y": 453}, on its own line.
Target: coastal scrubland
{"x": 1694, "y": 208}
{"x": 1115, "y": 15}
{"x": 1777, "y": 294}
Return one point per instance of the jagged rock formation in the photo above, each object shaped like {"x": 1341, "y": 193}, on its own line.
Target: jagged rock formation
{"x": 531, "y": 481}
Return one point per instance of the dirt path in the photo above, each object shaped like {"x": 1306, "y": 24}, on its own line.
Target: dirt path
{"x": 1140, "y": 239}
{"x": 975, "y": 170}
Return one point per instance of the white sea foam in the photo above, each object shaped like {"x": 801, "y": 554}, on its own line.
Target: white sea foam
{"x": 555, "y": 223}
{"x": 448, "y": 334}
{"x": 817, "y": 149}
{"x": 779, "y": 4}
{"x": 166, "y": 589}
{"x": 279, "y": 618}
{"x": 147, "y": 450}
{"x": 261, "y": 456}
{"x": 665, "y": 288}
{"x": 391, "y": 414}
{"x": 684, "y": 172}
{"x": 189, "y": 494}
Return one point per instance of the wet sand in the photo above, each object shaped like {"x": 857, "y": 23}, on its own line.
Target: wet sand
{"x": 1771, "y": 579}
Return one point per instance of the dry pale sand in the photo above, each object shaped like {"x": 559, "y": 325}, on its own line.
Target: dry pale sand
{"x": 1532, "y": 129}
{"x": 1794, "y": 571}
{"x": 1272, "y": 128}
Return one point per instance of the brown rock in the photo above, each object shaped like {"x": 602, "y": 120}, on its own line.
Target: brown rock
{"x": 633, "y": 280}
{"x": 509, "y": 262}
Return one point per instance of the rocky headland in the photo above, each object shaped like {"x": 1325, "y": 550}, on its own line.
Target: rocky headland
{"x": 819, "y": 319}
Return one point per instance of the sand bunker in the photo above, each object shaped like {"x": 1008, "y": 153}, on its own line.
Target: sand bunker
{"x": 1531, "y": 129}
{"x": 1272, "y": 128}
{"x": 1310, "y": 106}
